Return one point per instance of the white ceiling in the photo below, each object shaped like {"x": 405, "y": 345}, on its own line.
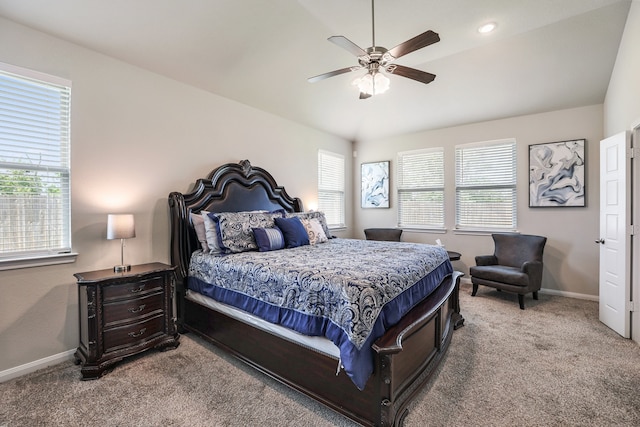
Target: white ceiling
{"x": 545, "y": 54}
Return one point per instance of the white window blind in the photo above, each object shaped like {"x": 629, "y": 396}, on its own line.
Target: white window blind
{"x": 421, "y": 188}
{"x": 486, "y": 185}
{"x": 331, "y": 187}
{"x": 34, "y": 164}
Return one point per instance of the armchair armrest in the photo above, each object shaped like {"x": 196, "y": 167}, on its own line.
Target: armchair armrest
{"x": 533, "y": 269}
{"x": 486, "y": 260}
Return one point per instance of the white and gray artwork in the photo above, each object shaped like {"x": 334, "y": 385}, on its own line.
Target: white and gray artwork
{"x": 375, "y": 185}
{"x": 556, "y": 174}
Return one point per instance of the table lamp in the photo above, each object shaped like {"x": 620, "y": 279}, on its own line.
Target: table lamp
{"x": 120, "y": 226}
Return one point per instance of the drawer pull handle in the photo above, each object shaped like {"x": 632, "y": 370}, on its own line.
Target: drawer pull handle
{"x": 138, "y": 289}
{"x": 137, "y": 334}
{"x": 137, "y": 310}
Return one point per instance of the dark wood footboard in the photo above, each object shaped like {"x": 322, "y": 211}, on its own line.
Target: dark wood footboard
{"x": 405, "y": 356}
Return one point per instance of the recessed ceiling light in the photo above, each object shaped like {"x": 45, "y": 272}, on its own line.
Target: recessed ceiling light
{"x": 487, "y": 28}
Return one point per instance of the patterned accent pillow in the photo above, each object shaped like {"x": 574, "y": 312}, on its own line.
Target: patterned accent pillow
{"x": 268, "y": 239}
{"x": 314, "y": 230}
{"x": 314, "y": 215}
{"x": 235, "y": 232}
{"x": 293, "y": 231}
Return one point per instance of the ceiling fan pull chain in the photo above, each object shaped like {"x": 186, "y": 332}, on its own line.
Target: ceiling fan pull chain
{"x": 373, "y": 26}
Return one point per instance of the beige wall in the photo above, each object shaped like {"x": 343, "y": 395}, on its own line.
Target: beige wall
{"x": 136, "y": 136}
{"x": 622, "y": 102}
{"x": 571, "y": 256}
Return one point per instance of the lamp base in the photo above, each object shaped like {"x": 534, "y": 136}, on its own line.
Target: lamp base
{"x": 122, "y": 268}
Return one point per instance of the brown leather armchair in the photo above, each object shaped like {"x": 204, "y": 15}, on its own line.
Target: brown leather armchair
{"x": 388, "y": 234}
{"x": 515, "y": 266}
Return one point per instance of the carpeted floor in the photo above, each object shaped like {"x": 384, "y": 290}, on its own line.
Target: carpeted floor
{"x": 553, "y": 364}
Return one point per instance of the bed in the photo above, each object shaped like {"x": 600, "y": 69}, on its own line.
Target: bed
{"x": 367, "y": 371}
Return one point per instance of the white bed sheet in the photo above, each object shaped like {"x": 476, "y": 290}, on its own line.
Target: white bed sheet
{"x": 320, "y": 344}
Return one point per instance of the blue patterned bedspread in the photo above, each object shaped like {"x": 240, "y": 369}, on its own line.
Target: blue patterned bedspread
{"x": 347, "y": 290}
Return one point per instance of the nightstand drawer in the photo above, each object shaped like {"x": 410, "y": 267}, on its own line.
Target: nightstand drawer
{"x": 130, "y": 335}
{"x": 132, "y": 289}
{"x": 131, "y": 310}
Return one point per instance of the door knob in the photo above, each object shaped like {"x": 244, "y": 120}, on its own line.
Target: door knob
{"x": 601, "y": 241}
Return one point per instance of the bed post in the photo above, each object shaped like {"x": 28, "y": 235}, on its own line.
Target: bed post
{"x": 180, "y": 244}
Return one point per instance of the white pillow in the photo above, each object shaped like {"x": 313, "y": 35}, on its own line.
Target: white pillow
{"x": 211, "y": 233}
{"x": 198, "y": 225}
{"x": 314, "y": 215}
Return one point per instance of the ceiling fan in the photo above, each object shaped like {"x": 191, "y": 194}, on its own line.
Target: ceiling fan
{"x": 377, "y": 59}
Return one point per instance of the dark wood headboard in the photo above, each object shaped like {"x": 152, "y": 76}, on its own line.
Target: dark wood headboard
{"x": 233, "y": 187}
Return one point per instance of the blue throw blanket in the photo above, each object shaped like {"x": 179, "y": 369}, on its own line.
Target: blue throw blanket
{"x": 350, "y": 291}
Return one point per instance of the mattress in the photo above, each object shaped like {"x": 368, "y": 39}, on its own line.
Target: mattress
{"x": 321, "y": 345}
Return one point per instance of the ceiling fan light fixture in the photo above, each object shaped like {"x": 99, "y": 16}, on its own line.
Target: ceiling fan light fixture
{"x": 372, "y": 83}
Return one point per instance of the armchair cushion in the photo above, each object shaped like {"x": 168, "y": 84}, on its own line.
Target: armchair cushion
{"x": 501, "y": 274}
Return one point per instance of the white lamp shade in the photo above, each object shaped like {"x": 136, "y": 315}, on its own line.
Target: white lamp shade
{"x": 120, "y": 226}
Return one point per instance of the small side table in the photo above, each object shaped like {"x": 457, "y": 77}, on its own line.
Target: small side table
{"x": 122, "y": 314}
{"x": 454, "y": 256}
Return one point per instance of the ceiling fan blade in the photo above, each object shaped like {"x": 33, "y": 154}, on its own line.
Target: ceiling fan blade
{"x": 332, "y": 73}
{"x": 411, "y": 73}
{"x": 347, "y": 44}
{"x": 411, "y": 45}
{"x": 364, "y": 95}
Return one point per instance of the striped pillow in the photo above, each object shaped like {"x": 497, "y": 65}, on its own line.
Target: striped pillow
{"x": 268, "y": 239}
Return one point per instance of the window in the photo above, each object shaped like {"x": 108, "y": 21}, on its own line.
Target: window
{"x": 34, "y": 165}
{"x": 331, "y": 188}
{"x": 486, "y": 185}
{"x": 421, "y": 188}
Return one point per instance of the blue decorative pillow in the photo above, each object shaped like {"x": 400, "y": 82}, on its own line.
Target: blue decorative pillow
{"x": 268, "y": 239}
{"x": 293, "y": 231}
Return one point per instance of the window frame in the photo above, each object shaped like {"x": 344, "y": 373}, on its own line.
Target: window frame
{"x": 436, "y": 187}
{"x": 60, "y": 252}
{"x": 333, "y": 187}
{"x": 508, "y": 184}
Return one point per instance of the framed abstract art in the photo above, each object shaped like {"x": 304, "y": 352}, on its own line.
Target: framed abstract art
{"x": 375, "y": 184}
{"x": 557, "y": 174}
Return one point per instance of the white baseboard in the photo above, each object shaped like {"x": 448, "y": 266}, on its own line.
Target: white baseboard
{"x": 27, "y": 368}
{"x": 570, "y": 294}
{"x": 467, "y": 281}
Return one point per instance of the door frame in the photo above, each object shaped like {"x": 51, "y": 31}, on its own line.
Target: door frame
{"x": 635, "y": 238}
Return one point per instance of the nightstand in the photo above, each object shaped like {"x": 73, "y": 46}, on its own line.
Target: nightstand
{"x": 122, "y": 314}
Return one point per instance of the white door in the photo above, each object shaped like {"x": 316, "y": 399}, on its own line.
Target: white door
{"x": 615, "y": 238}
